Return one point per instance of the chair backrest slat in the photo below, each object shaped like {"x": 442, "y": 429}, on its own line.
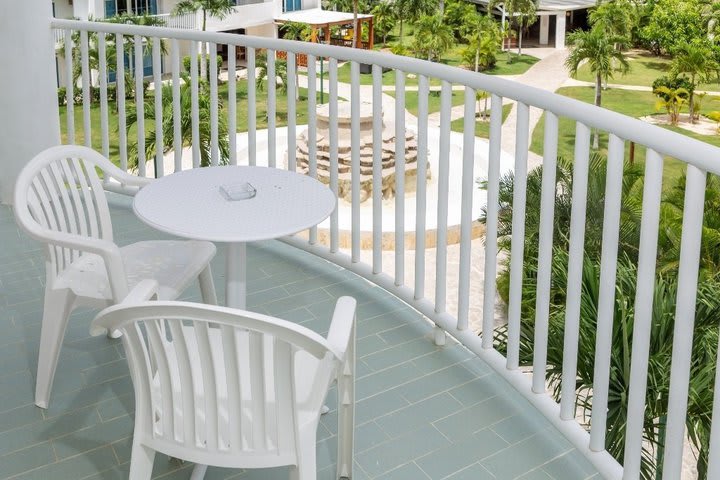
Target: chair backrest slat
{"x": 164, "y": 373}
{"x": 257, "y": 390}
{"x": 187, "y": 385}
{"x": 234, "y": 393}
{"x": 210, "y": 384}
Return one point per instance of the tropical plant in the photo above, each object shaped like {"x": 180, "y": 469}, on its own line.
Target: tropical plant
{"x": 666, "y": 291}
{"x": 213, "y": 8}
{"x": 168, "y": 130}
{"x": 695, "y": 61}
{"x": 483, "y": 43}
{"x": 604, "y": 56}
{"x": 672, "y": 23}
{"x": 616, "y": 18}
{"x": 672, "y": 101}
{"x": 521, "y": 13}
{"x": 433, "y": 37}
{"x": 412, "y": 10}
{"x": 384, "y": 19}
{"x": 280, "y": 72}
{"x": 460, "y": 15}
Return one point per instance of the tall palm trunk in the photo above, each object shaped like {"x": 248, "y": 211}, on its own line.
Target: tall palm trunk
{"x": 598, "y": 101}
{"x": 356, "y": 34}
{"x": 691, "y": 100}
{"x": 203, "y": 67}
{"x": 520, "y": 32}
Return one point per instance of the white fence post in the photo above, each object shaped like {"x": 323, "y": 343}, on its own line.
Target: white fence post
{"x": 29, "y": 121}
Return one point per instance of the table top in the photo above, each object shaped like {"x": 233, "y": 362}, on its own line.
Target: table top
{"x": 189, "y": 204}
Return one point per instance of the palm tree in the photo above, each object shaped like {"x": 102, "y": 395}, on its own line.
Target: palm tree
{"x": 603, "y": 56}
{"x": 483, "y": 39}
{"x": 672, "y": 100}
{"x": 412, "y": 10}
{"x": 616, "y": 18}
{"x": 168, "y": 130}
{"x": 695, "y": 60}
{"x": 433, "y": 37}
{"x": 384, "y": 18}
{"x": 214, "y": 8}
{"x": 522, "y": 14}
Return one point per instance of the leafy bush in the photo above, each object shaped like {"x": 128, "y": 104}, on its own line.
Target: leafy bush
{"x": 62, "y": 93}
{"x": 672, "y": 83}
{"x": 399, "y": 49}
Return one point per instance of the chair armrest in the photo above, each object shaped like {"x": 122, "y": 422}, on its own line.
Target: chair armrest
{"x": 342, "y": 327}
{"x": 142, "y": 292}
{"x": 125, "y": 178}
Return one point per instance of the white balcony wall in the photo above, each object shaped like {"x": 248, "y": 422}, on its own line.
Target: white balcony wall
{"x": 29, "y": 87}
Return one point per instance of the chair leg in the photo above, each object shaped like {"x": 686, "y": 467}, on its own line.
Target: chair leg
{"x": 198, "y": 472}
{"x": 306, "y": 469}
{"x": 141, "y": 461}
{"x": 207, "y": 287}
{"x": 346, "y": 412}
{"x": 56, "y": 311}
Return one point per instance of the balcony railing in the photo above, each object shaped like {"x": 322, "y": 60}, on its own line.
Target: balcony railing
{"x": 454, "y": 204}
{"x": 186, "y": 21}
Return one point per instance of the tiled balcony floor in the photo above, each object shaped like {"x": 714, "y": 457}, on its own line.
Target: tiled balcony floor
{"x": 423, "y": 412}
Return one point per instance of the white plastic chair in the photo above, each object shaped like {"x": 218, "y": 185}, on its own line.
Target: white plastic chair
{"x": 230, "y": 388}
{"x": 60, "y": 200}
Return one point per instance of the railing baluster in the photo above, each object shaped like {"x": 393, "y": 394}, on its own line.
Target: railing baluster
{"x": 194, "y": 107}
{"x": 213, "y": 76}
{"x": 69, "y": 87}
{"x": 491, "y": 222}
{"x": 399, "y": 178}
{"x": 355, "y": 158}
{"x": 252, "y": 112}
{"x": 333, "y": 134}
{"x": 547, "y": 211}
{"x": 442, "y": 208}
{"x": 312, "y": 128}
{"x": 157, "y": 80}
{"x": 377, "y": 168}
{"x": 85, "y": 69}
{"x": 606, "y": 301}
{"x": 420, "y": 197}
{"x": 575, "y": 269}
{"x": 271, "y": 88}
{"x": 467, "y": 182}
{"x": 517, "y": 242}
{"x": 232, "y": 104}
{"x": 291, "y": 112}
{"x": 642, "y": 322}
{"x": 120, "y": 99}
{"x": 684, "y": 320}
{"x": 140, "y": 104}
{"x": 177, "y": 113}
{"x": 102, "y": 74}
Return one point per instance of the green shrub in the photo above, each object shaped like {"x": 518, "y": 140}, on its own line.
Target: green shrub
{"x": 62, "y": 93}
{"x": 672, "y": 83}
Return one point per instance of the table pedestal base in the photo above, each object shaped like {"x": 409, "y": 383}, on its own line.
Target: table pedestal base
{"x": 236, "y": 281}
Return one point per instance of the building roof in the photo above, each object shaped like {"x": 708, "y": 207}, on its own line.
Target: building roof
{"x": 318, "y": 16}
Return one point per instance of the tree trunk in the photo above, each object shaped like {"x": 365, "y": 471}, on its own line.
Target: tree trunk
{"x": 485, "y": 107}
{"x": 691, "y": 107}
{"x": 401, "y": 30}
{"x": 520, "y": 32}
{"x": 203, "y": 66}
{"x": 442, "y": 6}
{"x": 356, "y": 34}
{"x": 598, "y": 101}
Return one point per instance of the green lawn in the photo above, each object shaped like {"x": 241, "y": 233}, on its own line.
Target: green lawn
{"x": 644, "y": 69}
{"x": 631, "y": 103}
{"x": 482, "y": 128}
{"x": 507, "y": 64}
{"x": 411, "y": 100}
{"x": 241, "y": 117}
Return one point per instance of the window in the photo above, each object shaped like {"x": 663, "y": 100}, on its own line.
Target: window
{"x": 136, "y": 7}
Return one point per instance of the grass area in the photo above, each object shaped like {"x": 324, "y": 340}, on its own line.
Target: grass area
{"x": 508, "y": 63}
{"x": 631, "y": 103}
{"x": 411, "y": 100}
{"x": 241, "y": 117}
{"x": 644, "y": 69}
{"x": 482, "y": 128}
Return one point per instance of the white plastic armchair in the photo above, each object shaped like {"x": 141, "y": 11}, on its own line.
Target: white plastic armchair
{"x": 230, "y": 388}
{"x": 59, "y": 199}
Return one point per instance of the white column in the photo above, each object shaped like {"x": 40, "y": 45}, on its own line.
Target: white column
{"x": 81, "y": 9}
{"x": 29, "y": 121}
{"x": 544, "y": 29}
{"x": 560, "y": 30}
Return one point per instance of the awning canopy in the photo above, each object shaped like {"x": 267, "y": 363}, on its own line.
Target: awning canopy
{"x": 317, "y": 17}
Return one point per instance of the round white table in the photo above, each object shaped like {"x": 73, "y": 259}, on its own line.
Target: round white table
{"x": 190, "y": 204}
